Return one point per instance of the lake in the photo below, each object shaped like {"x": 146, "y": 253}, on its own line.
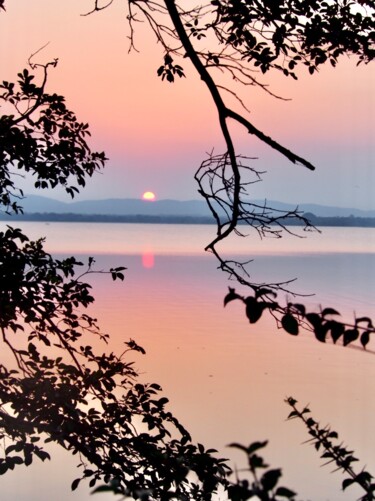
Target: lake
{"x": 227, "y": 379}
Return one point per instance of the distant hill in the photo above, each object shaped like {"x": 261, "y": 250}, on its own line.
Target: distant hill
{"x": 117, "y": 207}
{"x": 193, "y": 208}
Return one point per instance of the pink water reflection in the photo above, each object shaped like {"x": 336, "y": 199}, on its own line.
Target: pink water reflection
{"x": 148, "y": 259}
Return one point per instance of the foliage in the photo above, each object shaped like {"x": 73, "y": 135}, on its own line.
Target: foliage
{"x": 282, "y": 35}
{"x": 264, "y": 487}
{"x": 43, "y": 137}
{"x": 326, "y": 440}
{"x": 293, "y": 316}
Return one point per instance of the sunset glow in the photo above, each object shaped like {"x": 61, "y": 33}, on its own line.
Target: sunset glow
{"x": 179, "y": 123}
{"x": 149, "y": 196}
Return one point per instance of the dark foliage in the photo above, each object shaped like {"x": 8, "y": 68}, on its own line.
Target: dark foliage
{"x": 332, "y": 451}
{"x": 42, "y": 137}
{"x": 283, "y": 35}
{"x": 294, "y": 316}
{"x": 265, "y": 486}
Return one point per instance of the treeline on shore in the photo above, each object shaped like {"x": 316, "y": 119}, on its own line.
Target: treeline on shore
{"x": 351, "y": 221}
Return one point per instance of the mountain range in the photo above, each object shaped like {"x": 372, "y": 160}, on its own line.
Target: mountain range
{"x": 192, "y": 208}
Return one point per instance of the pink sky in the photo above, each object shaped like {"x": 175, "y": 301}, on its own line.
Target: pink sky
{"x": 156, "y": 134}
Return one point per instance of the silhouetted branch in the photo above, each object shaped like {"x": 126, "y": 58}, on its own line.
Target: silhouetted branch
{"x": 332, "y": 451}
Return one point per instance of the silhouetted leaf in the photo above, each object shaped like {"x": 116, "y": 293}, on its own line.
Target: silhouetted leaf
{"x": 75, "y": 484}
{"x": 364, "y": 477}
{"x": 256, "y": 461}
{"x": 301, "y": 309}
{"x": 365, "y": 338}
{"x": 293, "y": 414}
{"x": 255, "y": 446}
{"x": 314, "y": 319}
{"x": 290, "y": 324}
{"x": 329, "y": 311}
{"x": 347, "y": 482}
{"x": 236, "y": 445}
{"x": 284, "y": 493}
{"x": 320, "y": 332}
{"x": 337, "y": 330}
{"x": 231, "y": 296}
{"x": 254, "y": 309}
{"x": 364, "y": 319}
{"x": 350, "y": 335}
{"x": 270, "y": 479}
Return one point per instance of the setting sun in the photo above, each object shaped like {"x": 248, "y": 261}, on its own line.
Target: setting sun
{"x": 148, "y": 195}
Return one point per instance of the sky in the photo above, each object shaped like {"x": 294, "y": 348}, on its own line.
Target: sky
{"x": 156, "y": 134}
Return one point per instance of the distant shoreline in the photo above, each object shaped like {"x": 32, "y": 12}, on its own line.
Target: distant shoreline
{"x": 340, "y": 221}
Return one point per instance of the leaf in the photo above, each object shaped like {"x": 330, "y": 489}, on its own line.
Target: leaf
{"x": 290, "y": 324}
{"x": 364, "y": 319}
{"x": 75, "y": 484}
{"x": 255, "y": 446}
{"x": 365, "y": 338}
{"x": 293, "y": 414}
{"x": 231, "y": 296}
{"x": 256, "y": 461}
{"x": 347, "y": 482}
{"x": 254, "y": 309}
{"x": 350, "y": 335}
{"x": 337, "y": 330}
{"x": 329, "y": 311}
{"x": 320, "y": 332}
{"x": 300, "y": 308}
{"x": 284, "y": 492}
{"x": 270, "y": 479}
{"x": 43, "y": 455}
{"x": 17, "y": 460}
{"x": 235, "y": 445}
{"x": 314, "y": 319}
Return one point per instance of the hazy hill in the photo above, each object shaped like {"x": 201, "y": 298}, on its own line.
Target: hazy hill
{"x": 117, "y": 206}
{"x": 132, "y": 206}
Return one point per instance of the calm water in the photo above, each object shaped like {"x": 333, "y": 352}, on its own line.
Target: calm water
{"x": 226, "y": 380}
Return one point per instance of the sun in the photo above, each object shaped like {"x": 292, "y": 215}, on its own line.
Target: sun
{"x": 149, "y": 196}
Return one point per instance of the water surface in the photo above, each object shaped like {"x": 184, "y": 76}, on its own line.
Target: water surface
{"x": 226, "y": 380}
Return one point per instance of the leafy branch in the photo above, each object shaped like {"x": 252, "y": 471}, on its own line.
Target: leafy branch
{"x": 43, "y": 137}
{"x": 294, "y": 316}
{"x": 265, "y": 486}
{"x": 326, "y": 441}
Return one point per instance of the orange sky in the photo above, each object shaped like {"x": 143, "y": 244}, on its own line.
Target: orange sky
{"x": 156, "y": 133}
